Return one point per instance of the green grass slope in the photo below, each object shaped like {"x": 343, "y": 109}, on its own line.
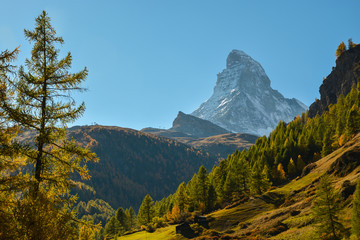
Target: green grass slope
{"x": 284, "y": 212}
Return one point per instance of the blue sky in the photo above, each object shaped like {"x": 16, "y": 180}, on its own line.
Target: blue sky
{"x": 148, "y": 59}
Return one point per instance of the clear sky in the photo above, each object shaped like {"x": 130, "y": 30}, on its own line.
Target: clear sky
{"x": 149, "y": 59}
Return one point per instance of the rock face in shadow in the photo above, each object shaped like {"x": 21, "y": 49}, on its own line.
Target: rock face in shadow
{"x": 344, "y": 75}
{"x": 186, "y": 125}
{"x": 345, "y": 164}
{"x": 195, "y": 126}
{"x": 204, "y": 135}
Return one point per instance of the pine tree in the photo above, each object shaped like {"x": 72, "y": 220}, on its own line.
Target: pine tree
{"x": 326, "y": 209}
{"x": 356, "y": 211}
{"x": 146, "y": 211}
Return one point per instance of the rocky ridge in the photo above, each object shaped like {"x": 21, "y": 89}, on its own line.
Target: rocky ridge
{"x": 344, "y": 75}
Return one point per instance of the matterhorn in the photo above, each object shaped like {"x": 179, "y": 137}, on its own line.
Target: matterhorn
{"x": 243, "y": 100}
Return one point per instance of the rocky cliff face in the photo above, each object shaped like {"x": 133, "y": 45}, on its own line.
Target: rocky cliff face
{"x": 345, "y": 74}
{"x": 243, "y": 100}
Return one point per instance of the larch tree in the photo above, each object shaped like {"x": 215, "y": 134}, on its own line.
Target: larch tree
{"x": 121, "y": 217}
{"x": 341, "y": 48}
{"x": 181, "y": 197}
{"x": 300, "y": 164}
{"x": 326, "y": 210}
{"x": 202, "y": 184}
{"x": 356, "y": 212}
{"x": 291, "y": 168}
{"x": 39, "y": 101}
{"x": 112, "y": 228}
{"x": 146, "y": 211}
{"x": 259, "y": 179}
{"x": 131, "y": 216}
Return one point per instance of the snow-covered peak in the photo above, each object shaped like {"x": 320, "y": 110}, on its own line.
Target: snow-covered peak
{"x": 243, "y": 100}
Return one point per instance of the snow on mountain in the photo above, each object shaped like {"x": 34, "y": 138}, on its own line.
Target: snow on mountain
{"x": 243, "y": 100}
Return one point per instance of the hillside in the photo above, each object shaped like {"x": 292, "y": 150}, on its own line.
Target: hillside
{"x": 284, "y": 212}
{"x": 268, "y": 191}
{"x": 222, "y": 145}
{"x": 133, "y": 163}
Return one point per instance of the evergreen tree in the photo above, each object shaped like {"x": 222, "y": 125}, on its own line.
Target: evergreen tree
{"x": 356, "y": 211}
{"x": 326, "y": 147}
{"x": 191, "y": 192}
{"x": 353, "y": 121}
{"x": 121, "y": 217}
{"x": 131, "y": 218}
{"x": 202, "y": 184}
{"x": 212, "y": 197}
{"x": 243, "y": 173}
{"x": 326, "y": 209}
{"x": 112, "y": 228}
{"x": 229, "y": 187}
{"x": 340, "y": 115}
{"x": 146, "y": 211}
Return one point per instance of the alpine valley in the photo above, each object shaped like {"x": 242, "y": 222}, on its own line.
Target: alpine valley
{"x": 247, "y": 164}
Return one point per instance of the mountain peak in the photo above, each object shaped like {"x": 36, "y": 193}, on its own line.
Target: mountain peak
{"x": 243, "y": 100}
{"x": 237, "y": 57}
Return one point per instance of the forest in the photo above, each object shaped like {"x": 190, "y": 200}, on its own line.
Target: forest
{"x": 37, "y": 176}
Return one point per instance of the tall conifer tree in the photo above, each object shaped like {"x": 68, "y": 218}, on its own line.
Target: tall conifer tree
{"x": 326, "y": 210}
{"x": 146, "y": 211}
{"x": 44, "y": 105}
{"x": 40, "y": 101}
{"x": 356, "y": 211}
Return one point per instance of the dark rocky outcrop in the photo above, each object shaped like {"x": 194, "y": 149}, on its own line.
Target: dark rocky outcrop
{"x": 195, "y": 126}
{"x": 307, "y": 169}
{"x": 186, "y": 125}
{"x": 340, "y": 81}
{"x": 346, "y": 163}
{"x": 204, "y": 135}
